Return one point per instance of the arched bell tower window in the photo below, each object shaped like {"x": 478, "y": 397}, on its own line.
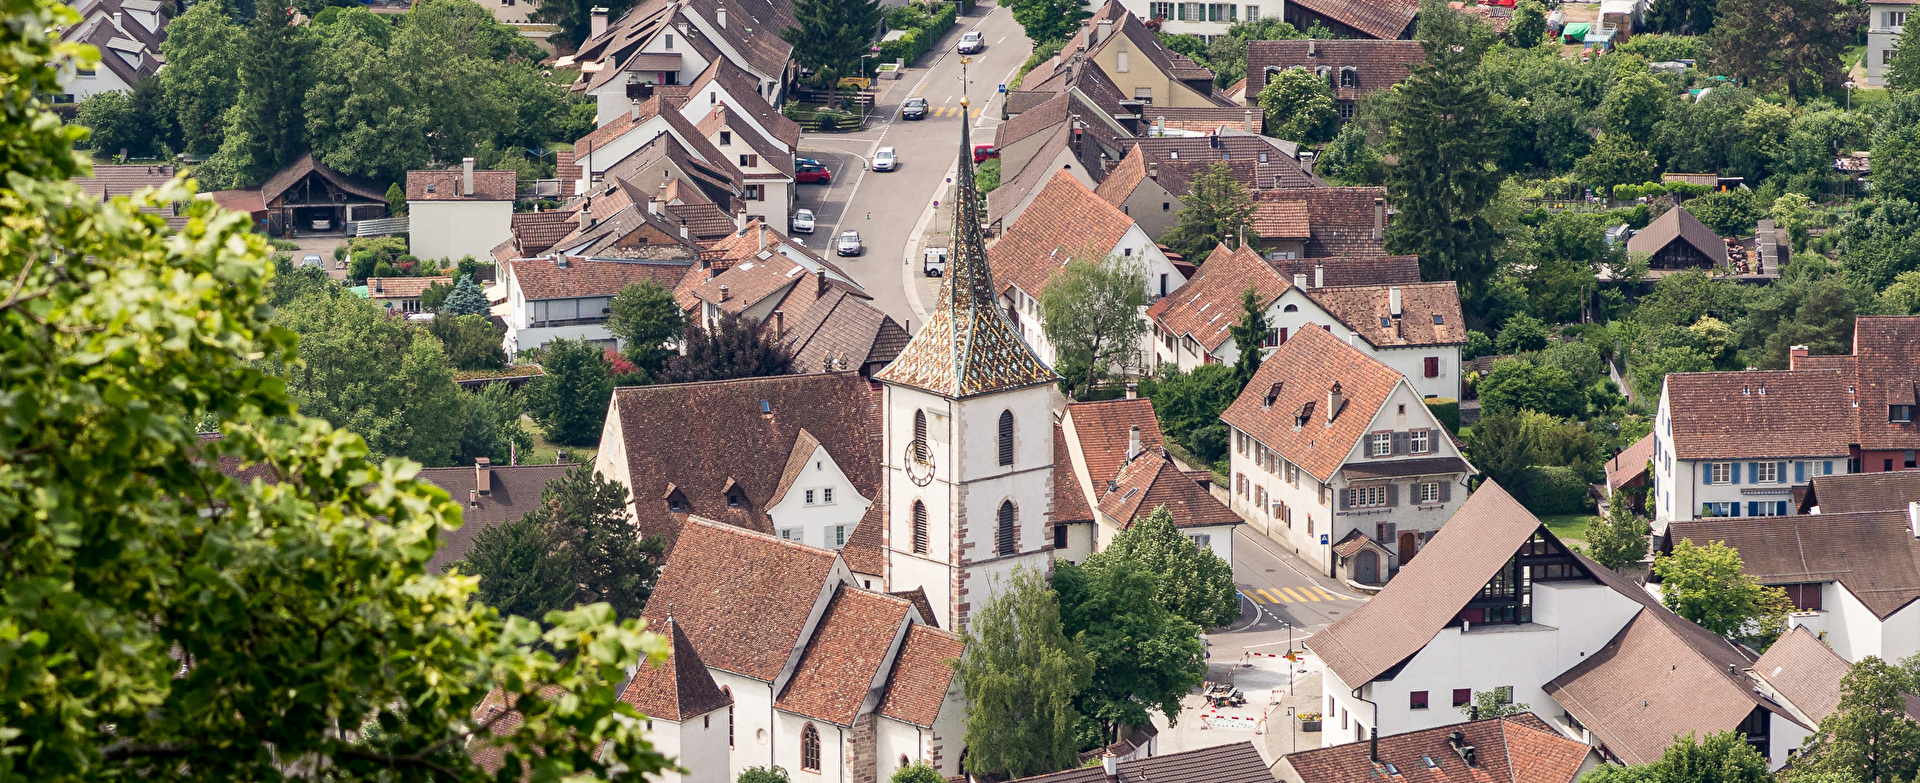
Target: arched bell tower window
{"x": 1004, "y": 541}
{"x": 1006, "y": 438}
{"x": 920, "y": 435}
{"x": 919, "y": 528}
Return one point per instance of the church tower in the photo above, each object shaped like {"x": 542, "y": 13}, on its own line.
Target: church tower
{"x": 969, "y": 436}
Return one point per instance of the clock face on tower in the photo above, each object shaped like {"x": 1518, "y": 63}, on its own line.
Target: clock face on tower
{"x": 919, "y": 462}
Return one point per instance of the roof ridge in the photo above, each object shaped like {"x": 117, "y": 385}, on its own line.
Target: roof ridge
{"x": 723, "y": 527}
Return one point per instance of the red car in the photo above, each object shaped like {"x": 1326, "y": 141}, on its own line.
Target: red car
{"x": 814, "y": 173}
{"x": 984, "y": 151}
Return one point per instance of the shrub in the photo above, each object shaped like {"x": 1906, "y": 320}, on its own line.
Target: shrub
{"x": 1555, "y": 489}
{"x": 1447, "y": 410}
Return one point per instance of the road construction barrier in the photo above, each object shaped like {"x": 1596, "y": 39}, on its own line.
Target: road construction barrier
{"x": 1214, "y": 720}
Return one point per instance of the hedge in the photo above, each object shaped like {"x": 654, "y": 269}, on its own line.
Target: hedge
{"x": 1555, "y": 489}
{"x": 908, "y": 48}
{"x": 1447, "y": 410}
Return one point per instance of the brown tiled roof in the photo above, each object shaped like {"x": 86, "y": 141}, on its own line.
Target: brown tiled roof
{"x": 1150, "y": 482}
{"x": 450, "y": 185}
{"x": 678, "y": 689}
{"x": 1339, "y": 219}
{"x": 1069, "y": 500}
{"x": 1871, "y": 553}
{"x": 1065, "y": 221}
{"x": 1208, "y": 306}
{"x": 748, "y": 283}
{"x": 1511, "y": 749}
{"x": 1848, "y": 493}
{"x": 542, "y": 278}
{"x": 1353, "y": 270}
{"x": 1048, "y": 114}
{"x": 1679, "y": 224}
{"x": 1721, "y": 415}
{"x": 1282, "y": 220}
{"x": 730, "y": 440}
{"x": 1805, "y": 672}
{"x": 537, "y": 231}
{"x": 844, "y": 657}
{"x": 804, "y": 445}
{"x": 918, "y": 684}
{"x": 1430, "y": 590}
{"x": 1383, "y": 19}
{"x": 1377, "y": 64}
{"x": 1179, "y": 159}
{"x": 1886, "y": 353}
{"x": 1430, "y": 313}
{"x": 745, "y": 88}
{"x": 750, "y": 622}
{"x": 277, "y": 184}
{"x": 402, "y": 287}
{"x": 1355, "y": 541}
{"x": 1124, "y": 178}
{"x": 845, "y": 331}
{"x": 110, "y": 180}
{"x": 1236, "y": 763}
{"x": 1104, "y": 431}
{"x": 1024, "y": 185}
{"x": 513, "y": 490}
{"x": 1303, "y": 368}
{"x": 1631, "y": 463}
{"x": 918, "y": 597}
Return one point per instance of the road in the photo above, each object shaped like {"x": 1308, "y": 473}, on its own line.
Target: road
{"x": 891, "y": 209}
{"x": 1280, "y": 597}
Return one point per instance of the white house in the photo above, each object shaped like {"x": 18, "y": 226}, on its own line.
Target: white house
{"x": 1112, "y": 470}
{"x": 1886, "y": 20}
{"x": 1067, "y": 221}
{"x": 671, "y": 42}
{"x": 127, "y": 33}
{"x": 1336, "y": 456}
{"x": 456, "y": 213}
{"x": 1495, "y": 603}
{"x": 571, "y": 297}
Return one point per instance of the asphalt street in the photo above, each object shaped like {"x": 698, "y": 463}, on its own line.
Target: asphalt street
{"x": 1281, "y": 598}
{"x": 891, "y": 209}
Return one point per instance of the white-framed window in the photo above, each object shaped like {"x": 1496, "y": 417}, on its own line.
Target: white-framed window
{"x": 810, "y": 497}
{"x": 1193, "y": 12}
{"x": 793, "y": 534}
{"x": 1721, "y": 472}
{"x": 826, "y": 495}
{"x": 1366, "y": 497}
{"x": 1720, "y": 509}
{"x": 1382, "y": 444}
{"x": 1159, "y": 10}
{"x": 1419, "y": 441}
{"x": 1293, "y": 475}
{"x": 1253, "y": 13}
{"x": 1766, "y": 473}
{"x": 1428, "y": 491}
{"x": 1202, "y": 540}
{"x": 1767, "y": 508}
{"x": 838, "y": 536}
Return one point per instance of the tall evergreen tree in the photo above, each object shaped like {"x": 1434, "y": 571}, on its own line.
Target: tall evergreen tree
{"x": 569, "y": 399}
{"x": 466, "y": 299}
{"x": 1217, "y": 210}
{"x": 268, "y": 127}
{"x": 1020, "y": 674}
{"x": 1795, "y": 44}
{"x": 833, "y": 34}
{"x": 1249, "y": 335}
{"x": 1438, "y": 126}
{"x": 1686, "y": 17}
{"x": 1903, "y": 74}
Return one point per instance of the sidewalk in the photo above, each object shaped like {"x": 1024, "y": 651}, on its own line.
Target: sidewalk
{"x": 1268, "y": 694}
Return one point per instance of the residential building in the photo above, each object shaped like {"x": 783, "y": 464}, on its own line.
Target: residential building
{"x": 1205, "y": 20}
{"x": 618, "y": 220}
{"x": 654, "y": 126}
{"x": 1678, "y": 240}
{"x": 489, "y": 495}
{"x": 660, "y": 43}
{"x": 843, "y": 331}
{"x": 1314, "y": 222}
{"x": 1628, "y": 472}
{"x": 1738, "y": 443}
{"x": 1144, "y": 70}
{"x": 1511, "y": 747}
{"x": 1065, "y": 222}
{"x": 460, "y": 212}
{"x": 761, "y": 274}
{"x": 127, "y": 33}
{"x": 571, "y": 297}
{"x": 1349, "y": 270}
{"x": 1115, "y": 462}
{"x": 1849, "y": 493}
{"x": 1329, "y": 444}
{"x": 1380, "y": 19}
{"x": 1152, "y": 182}
{"x": 689, "y": 717}
{"x": 1886, "y": 20}
{"x": 1353, "y": 68}
{"x": 402, "y": 294}
{"x": 308, "y": 197}
{"x": 1497, "y": 604}
{"x": 1238, "y": 762}
{"x": 110, "y": 180}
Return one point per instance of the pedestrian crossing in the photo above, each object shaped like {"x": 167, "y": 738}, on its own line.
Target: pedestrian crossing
{"x": 952, "y": 111}
{"x": 1289, "y": 595}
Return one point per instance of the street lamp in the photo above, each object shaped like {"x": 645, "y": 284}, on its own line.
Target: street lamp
{"x": 1849, "y": 86}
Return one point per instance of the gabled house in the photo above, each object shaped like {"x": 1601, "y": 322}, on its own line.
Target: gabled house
{"x": 761, "y": 274}
{"x": 110, "y": 180}
{"x": 1329, "y": 443}
{"x": 843, "y": 331}
{"x": 571, "y": 297}
{"x": 1152, "y": 182}
{"x": 1353, "y": 68}
{"x": 1067, "y": 221}
{"x": 672, "y": 42}
{"x": 1678, "y": 240}
{"x": 1298, "y": 223}
{"x": 1384, "y": 20}
{"x": 402, "y": 294}
{"x": 1630, "y": 471}
{"x": 1115, "y": 464}
{"x": 307, "y": 196}
{"x": 1144, "y": 70}
{"x": 766, "y": 167}
{"x": 1848, "y": 493}
{"x": 1497, "y": 604}
{"x": 128, "y": 34}
{"x": 630, "y": 144}
{"x": 1886, "y": 22}
{"x": 459, "y": 212}
{"x": 689, "y": 718}
{"x": 1511, "y": 747}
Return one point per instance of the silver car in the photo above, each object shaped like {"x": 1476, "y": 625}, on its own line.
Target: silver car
{"x": 972, "y": 43}
{"x": 803, "y": 221}
{"x": 884, "y": 159}
{"x": 849, "y": 244}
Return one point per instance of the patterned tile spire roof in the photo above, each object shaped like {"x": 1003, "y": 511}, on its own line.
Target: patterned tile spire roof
{"x": 967, "y": 347}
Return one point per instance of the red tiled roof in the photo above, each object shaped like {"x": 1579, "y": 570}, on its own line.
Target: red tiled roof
{"x": 844, "y": 657}
{"x": 1340, "y": 220}
{"x": 542, "y": 278}
{"x": 1125, "y": 176}
{"x": 1384, "y": 19}
{"x": 1236, "y": 763}
{"x": 1104, "y": 431}
{"x": 1430, "y": 313}
{"x": 1208, "y": 306}
{"x": 1511, "y": 749}
{"x": 536, "y": 231}
{"x": 1303, "y": 368}
{"x": 1376, "y": 64}
{"x": 450, "y": 185}
{"x": 920, "y": 679}
{"x": 402, "y": 287}
{"x": 1064, "y": 221}
{"x": 512, "y": 491}
{"x": 1151, "y": 481}
{"x": 1886, "y": 352}
{"x": 1723, "y": 415}
{"x": 1069, "y": 500}
{"x": 1352, "y": 270}
{"x": 111, "y": 180}
{"x": 680, "y": 687}
{"x": 750, "y": 622}
{"x": 1631, "y": 463}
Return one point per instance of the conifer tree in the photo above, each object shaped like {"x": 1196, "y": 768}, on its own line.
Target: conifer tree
{"x": 268, "y": 129}
{"x": 1217, "y": 209}
{"x": 1249, "y": 335}
{"x": 465, "y": 299}
{"x": 832, "y": 35}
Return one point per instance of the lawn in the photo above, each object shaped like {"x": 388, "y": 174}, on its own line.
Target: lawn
{"x": 1570, "y": 527}
{"x": 544, "y": 453}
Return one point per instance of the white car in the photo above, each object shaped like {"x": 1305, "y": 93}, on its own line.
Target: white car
{"x": 972, "y": 42}
{"x": 849, "y": 244}
{"x": 885, "y": 160}
{"x": 803, "y": 221}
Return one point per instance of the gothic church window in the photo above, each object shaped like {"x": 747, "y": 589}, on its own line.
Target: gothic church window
{"x": 1006, "y": 438}
{"x": 1004, "y": 541}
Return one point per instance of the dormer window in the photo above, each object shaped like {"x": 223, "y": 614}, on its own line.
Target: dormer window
{"x": 1900, "y": 413}
{"x": 736, "y": 498}
{"x": 726, "y": 138}
{"x": 677, "y": 502}
{"x": 1349, "y": 77}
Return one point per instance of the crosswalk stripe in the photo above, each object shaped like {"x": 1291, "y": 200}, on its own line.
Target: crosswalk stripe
{"x": 1306, "y": 593}
{"x": 1277, "y": 596}
{"x": 1330, "y": 596}
{"x": 1267, "y": 597}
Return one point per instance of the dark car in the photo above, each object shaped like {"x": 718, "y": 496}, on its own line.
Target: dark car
{"x": 812, "y": 173}
{"x": 914, "y": 109}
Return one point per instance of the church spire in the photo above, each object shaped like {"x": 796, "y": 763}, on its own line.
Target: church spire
{"x": 967, "y": 346}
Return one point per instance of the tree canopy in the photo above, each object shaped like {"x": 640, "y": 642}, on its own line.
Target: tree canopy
{"x": 577, "y": 547}
{"x": 1216, "y": 210}
{"x": 1705, "y": 584}
{"x": 569, "y": 400}
{"x": 1021, "y": 673}
{"x": 1090, "y": 313}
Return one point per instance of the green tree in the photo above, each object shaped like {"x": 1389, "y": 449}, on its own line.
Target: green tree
{"x": 1903, "y": 297}
{"x": 1046, "y": 21}
{"x": 569, "y": 399}
{"x": 1903, "y": 74}
{"x": 1249, "y": 335}
{"x": 1686, "y": 17}
{"x": 1146, "y": 658}
{"x": 129, "y": 552}
{"x": 1299, "y": 107}
{"x": 1090, "y": 312}
{"x": 575, "y": 18}
{"x": 1217, "y": 210}
{"x": 1705, "y": 584}
{"x": 470, "y": 341}
{"x": 1502, "y": 449}
{"x": 1616, "y": 160}
{"x": 1812, "y": 304}
{"x": 465, "y": 299}
{"x": 1021, "y": 675}
{"x": 1195, "y": 584}
{"x": 202, "y": 78}
{"x": 1518, "y": 384}
{"x": 1793, "y": 213}
{"x": 774, "y": 774}
{"x": 1189, "y": 405}
{"x": 833, "y": 34}
{"x": 396, "y": 200}
{"x": 1227, "y": 54}
{"x": 1730, "y": 213}
{"x": 1879, "y": 240}
{"x": 1620, "y": 540}
{"x": 135, "y": 120}
{"x": 592, "y": 554}
{"x": 1529, "y": 28}
{"x": 1349, "y": 159}
{"x": 493, "y": 426}
{"x": 1896, "y": 164}
{"x": 1725, "y": 757}
{"x": 1493, "y": 704}
{"x": 646, "y": 318}
{"x": 1438, "y": 128}
{"x": 1521, "y": 333}
{"x": 266, "y": 128}
{"x": 917, "y": 772}
{"x": 521, "y": 574}
{"x": 1650, "y": 368}
{"x": 1635, "y": 103}
{"x": 1791, "y": 44}
{"x": 734, "y": 349}
{"x": 1869, "y": 737}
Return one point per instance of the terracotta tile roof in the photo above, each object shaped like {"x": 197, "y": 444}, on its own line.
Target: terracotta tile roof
{"x": 1104, "y": 431}
{"x": 1150, "y": 482}
{"x": 1064, "y": 221}
{"x": 1048, "y": 114}
{"x": 667, "y": 450}
{"x": 111, "y": 180}
{"x": 1339, "y": 219}
{"x": 751, "y": 622}
{"x": 1376, "y": 64}
{"x": 843, "y": 331}
{"x": 536, "y": 231}
{"x": 1208, "y": 306}
{"x": 1630, "y": 464}
{"x": 1679, "y": 224}
{"x": 1353, "y": 270}
{"x": 543, "y": 278}
{"x": 804, "y": 445}
{"x": 1069, "y": 500}
{"x": 918, "y": 684}
{"x": 745, "y": 244}
{"x": 402, "y": 287}
{"x": 506, "y": 721}
{"x": 513, "y": 490}
{"x": 1282, "y": 220}
{"x": 844, "y": 657}
{"x": 1430, "y": 313}
{"x": 748, "y": 283}
{"x": 1720, "y": 415}
{"x": 1124, "y": 178}
{"x": 1805, "y": 672}
{"x": 1383, "y": 19}
{"x": 918, "y": 597}
{"x": 277, "y": 184}
{"x": 1179, "y": 159}
{"x": 1302, "y": 369}
{"x": 1430, "y": 590}
{"x": 1024, "y": 185}
{"x": 1236, "y": 763}
{"x": 1355, "y": 542}
{"x": 450, "y": 185}
{"x": 1848, "y": 493}
{"x": 678, "y": 689}
{"x": 1871, "y": 553}
{"x": 1514, "y": 748}
{"x": 1886, "y": 353}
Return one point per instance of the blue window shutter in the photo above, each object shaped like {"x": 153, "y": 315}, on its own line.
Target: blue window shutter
{"x": 1707, "y": 475}
{"x": 1753, "y": 472}
{"x": 1780, "y": 470}
{"x": 1780, "y": 507}
{"x": 1753, "y": 508}
{"x": 1736, "y": 472}
{"x": 1827, "y": 469}
{"x": 1799, "y": 472}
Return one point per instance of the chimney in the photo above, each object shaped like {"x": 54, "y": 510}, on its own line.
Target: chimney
{"x": 1319, "y": 275}
{"x": 1379, "y": 218}
{"x": 1312, "y": 51}
{"x": 1153, "y": 170}
{"x": 760, "y": 237}
{"x": 720, "y": 17}
{"x": 1794, "y": 355}
{"x": 1913, "y": 517}
{"x": 820, "y": 282}
{"x": 1334, "y": 400}
{"x": 116, "y": 22}
{"x": 597, "y": 23}
{"x": 723, "y": 292}
{"x": 473, "y": 498}
{"x": 1299, "y": 280}
{"x": 562, "y": 261}
{"x": 653, "y": 206}
{"x": 1393, "y": 301}
{"x": 1133, "y": 390}
{"x": 1133, "y": 442}
{"x": 683, "y": 229}
{"x": 740, "y": 220}
{"x": 466, "y": 176}
{"x": 1248, "y": 125}
{"x": 483, "y": 476}
{"x": 1110, "y": 764}
{"x": 779, "y": 324}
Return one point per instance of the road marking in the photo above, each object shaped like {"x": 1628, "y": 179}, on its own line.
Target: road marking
{"x": 1298, "y": 637}
{"x": 911, "y": 274}
{"x": 1302, "y": 594}
{"x": 1330, "y": 596}
{"x": 1002, "y": 39}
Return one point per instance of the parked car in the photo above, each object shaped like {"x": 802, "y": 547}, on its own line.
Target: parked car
{"x": 983, "y": 152}
{"x": 322, "y": 224}
{"x": 311, "y": 260}
{"x": 803, "y": 221}
{"x": 972, "y": 43}
{"x": 805, "y": 162}
{"x": 884, "y": 159}
{"x": 849, "y": 244}
{"x": 914, "y": 109}
{"x": 814, "y": 173}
